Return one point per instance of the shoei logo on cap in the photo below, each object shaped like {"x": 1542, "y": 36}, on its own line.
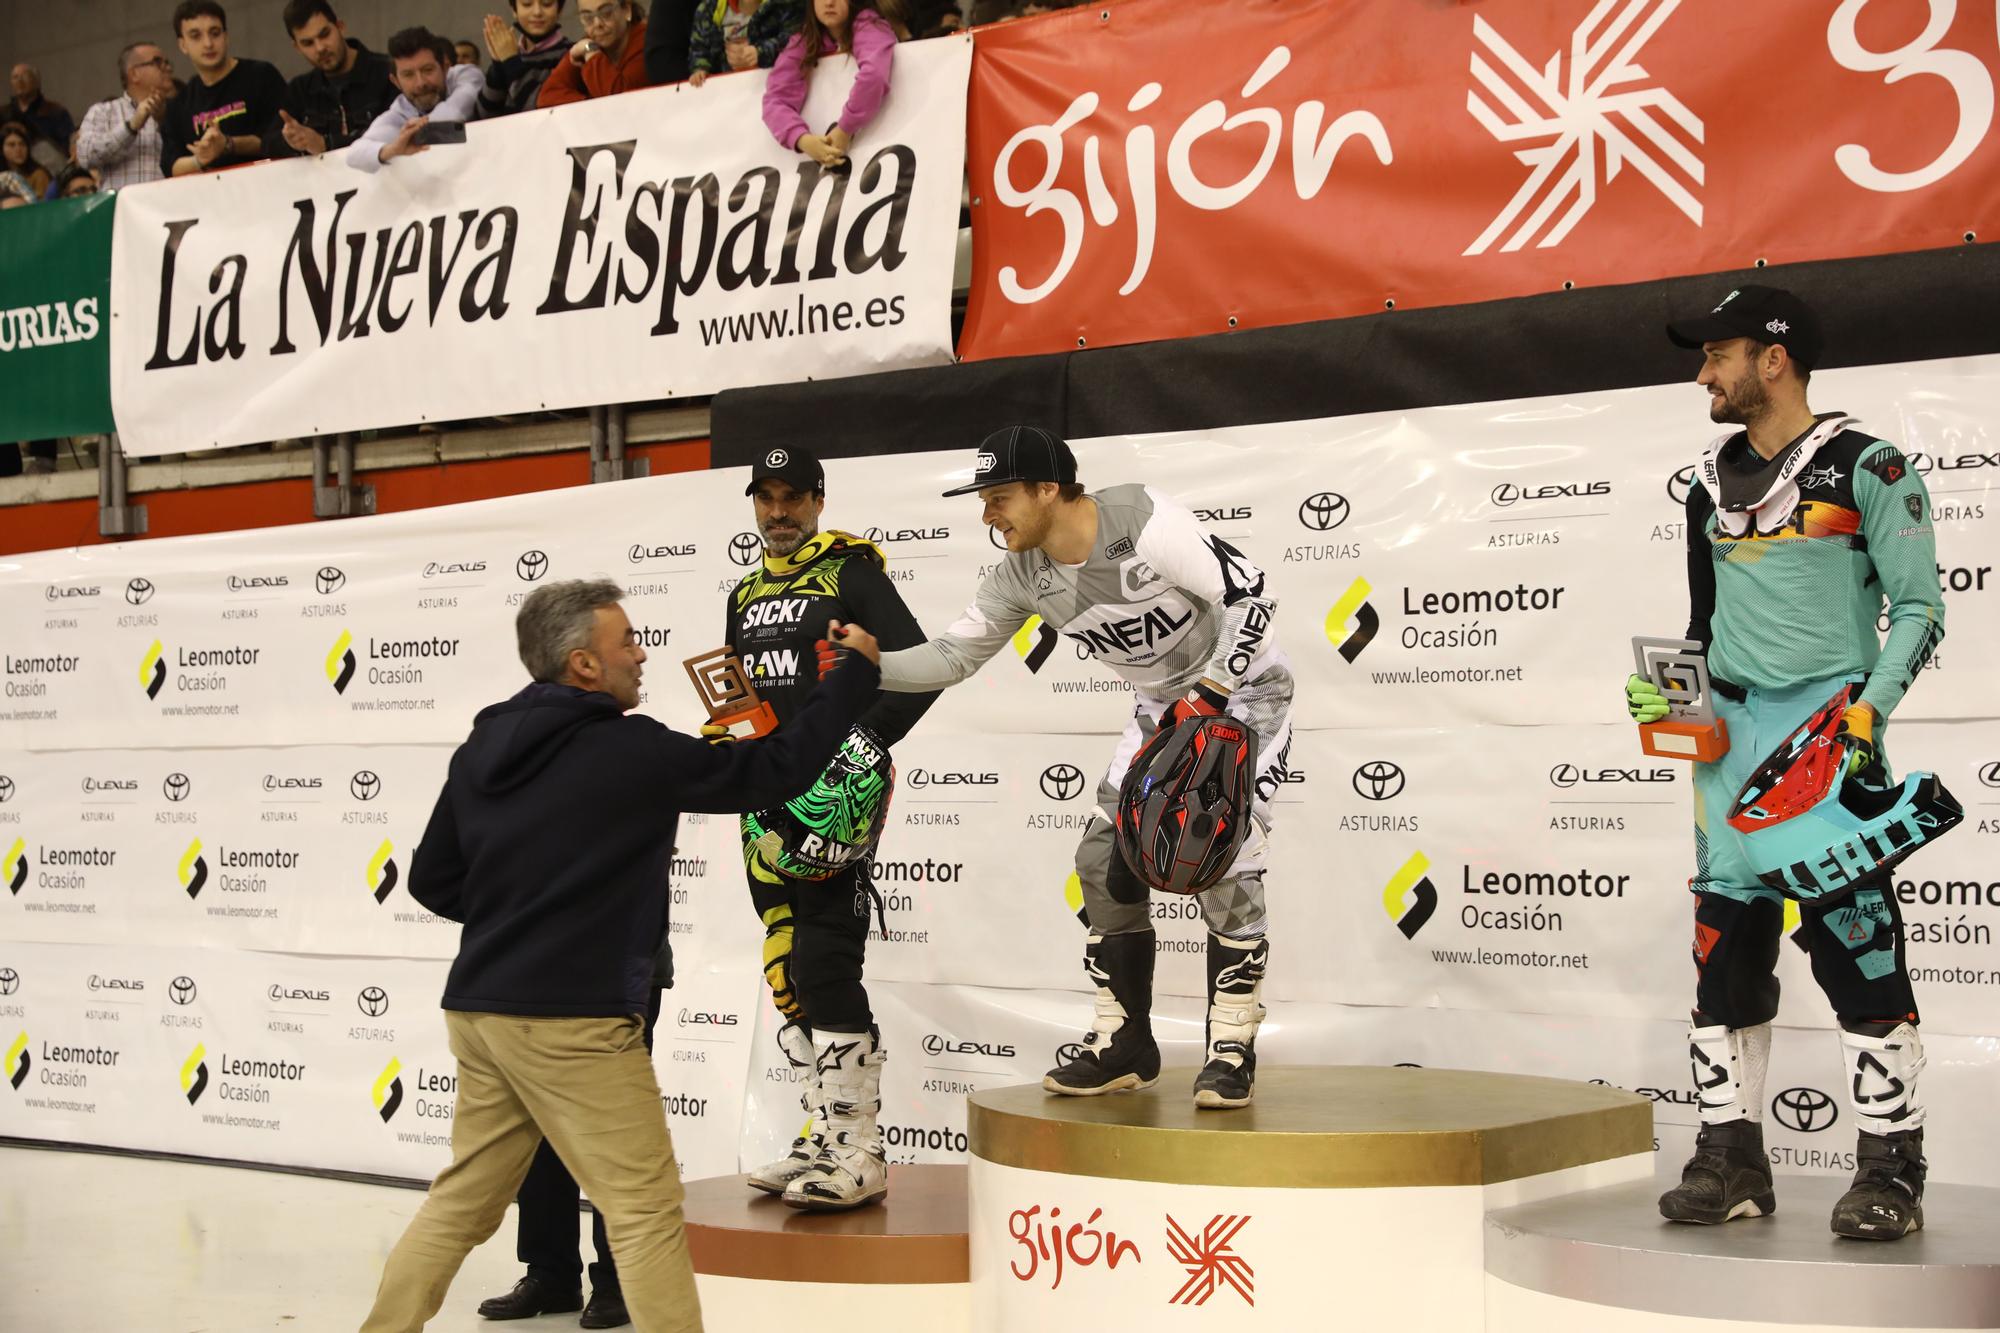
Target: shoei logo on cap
{"x": 1778, "y": 326}
{"x": 986, "y": 462}
{"x": 777, "y": 458}
{"x": 388, "y": 1090}
{"x": 1807, "y": 1110}
{"x": 1409, "y": 897}
{"x": 1353, "y": 605}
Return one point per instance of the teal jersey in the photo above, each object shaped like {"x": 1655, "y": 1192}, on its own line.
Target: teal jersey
{"x": 1805, "y": 601}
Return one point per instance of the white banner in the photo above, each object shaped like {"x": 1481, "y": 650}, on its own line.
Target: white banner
{"x": 243, "y": 802}
{"x": 645, "y": 246}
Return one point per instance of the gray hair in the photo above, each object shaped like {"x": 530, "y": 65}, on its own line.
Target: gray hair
{"x": 556, "y": 619}
{"x": 125, "y": 66}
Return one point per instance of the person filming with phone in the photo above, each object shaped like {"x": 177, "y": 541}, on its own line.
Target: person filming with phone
{"x": 436, "y": 98}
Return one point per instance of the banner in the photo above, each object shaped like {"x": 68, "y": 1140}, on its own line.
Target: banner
{"x": 55, "y": 318}
{"x": 197, "y": 783}
{"x": 1145, "y": 171}
{"x": 651, "y": 245}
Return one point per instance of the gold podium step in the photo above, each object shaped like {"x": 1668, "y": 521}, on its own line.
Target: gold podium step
{"x": 1338, "y": 1127}
{"x": 915, "y": 1236}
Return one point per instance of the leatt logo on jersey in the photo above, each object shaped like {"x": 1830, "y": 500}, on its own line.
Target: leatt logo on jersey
{"x": 776, "y": 611}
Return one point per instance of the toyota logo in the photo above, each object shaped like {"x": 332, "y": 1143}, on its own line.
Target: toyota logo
{"x": 1323, "y": 512}
{"x": 181, "y": 990}
{"x": 1680, "y": 484}
{"x": 1378, "y": 780}
{"x": 10, "y": 981}
{"x": 744, "y": 547}
{"x": 365, "y": 786}
{"x": 1807, "y": 1110}
{"x": 1564, "y": 775}
{"x": 373, "y": 1001}
{"x": 1069, "y": 1051}
{"x": 1989, "y": 776}
{"x": 1062, "y": 782}
{"x": 777, "y": 458}
{"x": 177, "y": 786}
{"x": 531, "y": 565}
{"x": 6, "y": 789}
{"x": 138, "y": 591}
{"x": 329, "y": 580}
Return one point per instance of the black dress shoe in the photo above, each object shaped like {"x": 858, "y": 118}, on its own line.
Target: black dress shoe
{"x": 606, "y": 1309}
{"x": 532, "y": 1296}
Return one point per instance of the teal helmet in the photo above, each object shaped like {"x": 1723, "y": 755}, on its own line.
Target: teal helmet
{"x": 835, "y": 823}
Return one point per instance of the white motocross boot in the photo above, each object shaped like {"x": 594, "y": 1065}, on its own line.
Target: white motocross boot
{"x": 795, "y": 1040}
{"x": 851, "y": 1169}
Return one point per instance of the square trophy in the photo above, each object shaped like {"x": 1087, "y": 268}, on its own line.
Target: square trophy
{"x": 1690, "y": 730}
{"x": 732, "y": 702}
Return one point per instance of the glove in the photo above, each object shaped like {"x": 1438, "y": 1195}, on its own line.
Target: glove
{"x": 716, "y": 734}
{"x": 1643, "y": 699}
{"x": 829, "y": 655}
{"x": 1857, "y": 729}
{"x": 1201, "y": 701}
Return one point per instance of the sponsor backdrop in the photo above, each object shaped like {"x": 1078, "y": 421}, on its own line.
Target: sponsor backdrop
{"x": 1378, "y": 156}
{"x": 216, "y": 755}
{"x": 55, "y": 325}
{"x": 631, "y": 248}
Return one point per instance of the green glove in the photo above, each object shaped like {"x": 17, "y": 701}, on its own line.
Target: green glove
{"x": 1643, "y": 699}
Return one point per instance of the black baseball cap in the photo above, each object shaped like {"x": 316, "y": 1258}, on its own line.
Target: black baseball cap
{"x": 1768, "y": 314}
{"x": 797, "y": 468}
{"x": 1019, "y": 453}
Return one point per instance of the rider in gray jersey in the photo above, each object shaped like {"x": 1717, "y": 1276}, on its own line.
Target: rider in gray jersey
{"x": 1130, "y": 576}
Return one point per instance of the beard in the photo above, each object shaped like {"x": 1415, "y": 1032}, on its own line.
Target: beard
{"x": 1742, "y": 405}
{"x": 784, "y": 541}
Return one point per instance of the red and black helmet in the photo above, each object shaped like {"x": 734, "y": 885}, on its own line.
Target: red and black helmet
{"x": 1184, "y": 807}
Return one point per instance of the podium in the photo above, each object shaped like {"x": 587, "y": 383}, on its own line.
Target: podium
{"x": 897, "y": 1265}
{"x": 1604, "y": 1261}
{"x": 1342, "y": 1197}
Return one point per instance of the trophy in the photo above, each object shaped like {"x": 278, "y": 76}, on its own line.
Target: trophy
{"x": 1690, "y": 730}
{"x": 724, "y": 686}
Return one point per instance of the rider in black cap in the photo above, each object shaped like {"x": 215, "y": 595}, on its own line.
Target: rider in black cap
{"x": 808, "y": 861}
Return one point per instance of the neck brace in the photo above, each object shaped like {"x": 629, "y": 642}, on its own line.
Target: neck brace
{"x": 1765, "y": 497}
{"x": 818, "y": 546}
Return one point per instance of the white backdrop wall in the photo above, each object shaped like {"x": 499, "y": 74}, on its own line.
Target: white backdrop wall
{"x": 207, "y": 809}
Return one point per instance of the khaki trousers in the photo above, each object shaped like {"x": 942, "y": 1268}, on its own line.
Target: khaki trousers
{"x": 588, "y": 1085}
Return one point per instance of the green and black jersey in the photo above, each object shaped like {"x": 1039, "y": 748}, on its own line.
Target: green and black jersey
{"x": 780, "y": 610}
{"x": 1802, "y": 602}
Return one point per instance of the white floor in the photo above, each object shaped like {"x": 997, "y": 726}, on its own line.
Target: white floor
{"x": 97, "y": 1244}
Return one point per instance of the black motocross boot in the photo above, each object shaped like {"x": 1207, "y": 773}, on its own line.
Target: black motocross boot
{"x": 1118, "y": 1054}
{"x": 1886, "y": 1200}
{"x": 1728, "y": 1177}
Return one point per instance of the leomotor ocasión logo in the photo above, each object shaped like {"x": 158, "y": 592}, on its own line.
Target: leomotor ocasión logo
{"x": 153, "y": 669}
{"x": 1034, "y": 641}
{"x": 1210, "y": 1259}
{"x": 1409, "y": 897}
{"x": 382, "y": 870}
{"x": 193, "y": 869}
{"x": 14, "y": 868}
{"x": 18, "y": 1061}
{"x": 194, "y": 1074}
{"x": 388, "y": 1090}
{"x": 1353, "y": 605}
{"x": 1577, "y": 130}
{"x": 340, "y": 663}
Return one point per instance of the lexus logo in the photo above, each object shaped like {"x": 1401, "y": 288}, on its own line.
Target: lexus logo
{"x": 10, "y": 981}
{"x": 1680, "y": 484}
{"x": 531, "y": 565}
{"x": 365, "y": 786}
{"x": 1989, "y": 776}
{"x": 138, "y": 591}
{"x": 1323, "y": 512}
{"x": 329, "y": 580}
{"x": 6, "y": 789}
{"x": 1062, "y": 782}
{"x": 1378, "y": 780}
{"x": 1564, "y": 775}
{"x": 372, "y": 1001}
{"x": 177, "y": 786}
{"x": 181, "y": 990}
{"x": 743, "y": 548}
{"x": 1807, "y": 1110}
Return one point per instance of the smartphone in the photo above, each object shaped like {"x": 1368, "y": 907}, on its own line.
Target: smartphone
{"x": 441, "y": 131}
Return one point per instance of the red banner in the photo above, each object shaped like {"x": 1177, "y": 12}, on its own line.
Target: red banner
{"x": 1147, "y": 169}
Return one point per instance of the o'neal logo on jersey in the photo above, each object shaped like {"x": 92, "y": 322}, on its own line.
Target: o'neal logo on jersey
{"x": 1132, "y": 634}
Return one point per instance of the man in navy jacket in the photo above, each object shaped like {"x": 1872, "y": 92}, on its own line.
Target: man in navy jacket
{"x": 551, "y": 843}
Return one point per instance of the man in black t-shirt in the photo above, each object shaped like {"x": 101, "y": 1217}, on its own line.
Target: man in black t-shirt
{"x": 330, "y": 105}
{"x": 224, "y": 113}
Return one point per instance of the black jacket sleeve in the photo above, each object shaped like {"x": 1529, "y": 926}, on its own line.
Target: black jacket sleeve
{"x": 1700, "y": 567}
{"x": 755, "y": 775}
{"x": 437, "y": 871}
{"x": 669, "y": 25}
{"x": 874, "y": 604}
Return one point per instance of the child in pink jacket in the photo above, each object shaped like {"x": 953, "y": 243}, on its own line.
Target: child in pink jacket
{"x": 830, "y": 26}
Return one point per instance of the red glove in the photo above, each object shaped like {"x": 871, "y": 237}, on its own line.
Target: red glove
{"x": 829, "y": 655}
